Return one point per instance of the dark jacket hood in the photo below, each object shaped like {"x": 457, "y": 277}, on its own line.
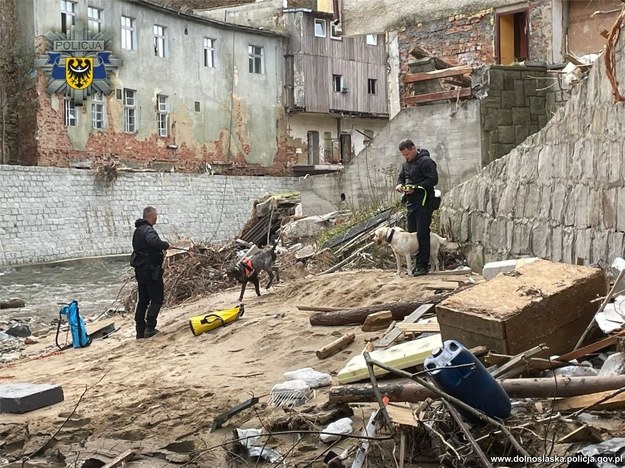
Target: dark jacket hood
{"x": 141, "y": 222}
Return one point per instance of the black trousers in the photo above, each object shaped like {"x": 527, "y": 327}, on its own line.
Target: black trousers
{"x": 418, "y": 219}
{"x": 151, "y": 297}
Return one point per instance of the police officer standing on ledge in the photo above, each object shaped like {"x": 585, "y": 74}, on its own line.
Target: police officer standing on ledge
{"x": 416, "y": 181}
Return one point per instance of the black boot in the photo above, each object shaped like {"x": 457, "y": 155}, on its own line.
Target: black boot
{"x": 150, "y": 332}
{"x": 420, "y": 271}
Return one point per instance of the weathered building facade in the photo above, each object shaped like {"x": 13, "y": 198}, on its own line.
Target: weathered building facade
{"x": 336, "y": 87}
{"x": 183, "y": 92}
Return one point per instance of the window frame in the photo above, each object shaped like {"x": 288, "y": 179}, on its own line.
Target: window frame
{"x": 374, "y": 40}
{"x": 333, "y": 36}
{"x": 129, "y": 32}
{"x": 340, "y": 82}
{"x": 98, "y": 101}
{"x": 130, "y": 110}
{"x": 324, "y": 26}
{"x": 162, "y": 115}
{"x": 209, "y": 51}
{"x": 253, "y": 56}
{"x": 372, "y": 90}
{"x": 94, "y": 21}
{"x": 69, "y": 112}
{"x": 160, "y": 41}
{"x": 65, "y": 14}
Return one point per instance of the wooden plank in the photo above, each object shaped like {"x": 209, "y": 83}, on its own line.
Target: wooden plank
{"x": 583, "y": 401}
{"x": 583, "y": 433}
{"x": 401, "y": 414}
{"x": 429, "y": 97}
{"x": 120, "y": 460}
{"x": 390, "y": 336}
{"x": 591, "y": 348}
{"x": 436, "y": 74}
{"x": 419, "y": 327}
{"x": 450, "y": 272}
{"x": 337, "y": 345}
{"x": 442, "y": 286}
{"x": 320, "y": 309}
{"x": 378, "y": 321}
{"x": 518, "y": 360}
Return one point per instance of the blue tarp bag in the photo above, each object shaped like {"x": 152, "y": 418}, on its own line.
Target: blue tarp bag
{"x": 80, "y": 338}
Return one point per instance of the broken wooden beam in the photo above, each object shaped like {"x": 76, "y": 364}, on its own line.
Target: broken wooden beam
{"x": 357, "y": 316}
{"x": 120, "y": 460}
{"x": 440, "y": 96}
{"x": 337, "y": 345}
{"x": 436, "y": 74}
{"x": 419, "y": 327}
{"x": 591, "y": 348}
{"x": 378, "y": 321}
{"x": 407, "y": 391}
{"x": 392, "y": 334}
{"x": 607, "y": 400}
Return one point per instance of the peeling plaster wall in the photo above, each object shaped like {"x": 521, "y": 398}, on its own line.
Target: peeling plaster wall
{"x": 560, "y": 195}
{"x": 240, "y": 117}
{"x": 49, "y": 214}
{"x": 300, "y": 124}
{"x": 584, "y": 31}
{"x": 370, "y": 178}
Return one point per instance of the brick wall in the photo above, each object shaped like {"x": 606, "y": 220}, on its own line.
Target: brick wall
{"x": 49, "y": 214}
{"x": 469, "y": 39}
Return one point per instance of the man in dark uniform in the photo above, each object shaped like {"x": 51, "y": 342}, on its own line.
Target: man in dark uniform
{"x": 147, "y": 259}
{"x": 416, "y": 181}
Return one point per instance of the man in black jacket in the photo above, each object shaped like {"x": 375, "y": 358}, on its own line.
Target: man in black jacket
{"x": 416, "y": 181}
{"x": 147, "y": 259}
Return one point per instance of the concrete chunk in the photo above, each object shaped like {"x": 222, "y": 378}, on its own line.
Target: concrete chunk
{"x": 544, "y": 302}
{"x": 492, "y": 269}
{"x": 25, "y": 397}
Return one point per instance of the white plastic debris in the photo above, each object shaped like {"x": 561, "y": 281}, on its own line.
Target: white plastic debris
{"x": 313, "y": 378}
{"x": 612, "y": 317}
{"x": 333, "y": 431}
{"x": 614, "y": 365}
{"x": 291, "y": 393}
{"x": 584, "y": 369}
{"x": 251, "y": 441}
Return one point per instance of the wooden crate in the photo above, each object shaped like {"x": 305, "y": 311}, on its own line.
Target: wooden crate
{"x": 542, "y": 302}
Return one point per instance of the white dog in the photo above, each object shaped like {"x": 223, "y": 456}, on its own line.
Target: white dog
{"x": 406, "y": 244}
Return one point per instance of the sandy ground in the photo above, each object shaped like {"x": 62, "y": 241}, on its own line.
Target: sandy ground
{"x": 159, "y": 396}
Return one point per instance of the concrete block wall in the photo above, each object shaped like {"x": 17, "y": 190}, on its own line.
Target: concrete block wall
{"x": 49, "y": 214}
{"x": 519, "y": 101}
{"x": 560, "y": 195}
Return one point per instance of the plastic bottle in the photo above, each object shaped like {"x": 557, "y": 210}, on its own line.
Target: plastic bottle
{"x": 471, "y": 384}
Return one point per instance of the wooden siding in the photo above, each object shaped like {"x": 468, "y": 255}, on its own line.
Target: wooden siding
{"x": 323, "y": 57}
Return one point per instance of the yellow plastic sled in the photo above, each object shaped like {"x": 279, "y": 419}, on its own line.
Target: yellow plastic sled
{"x": 206, "y": 322}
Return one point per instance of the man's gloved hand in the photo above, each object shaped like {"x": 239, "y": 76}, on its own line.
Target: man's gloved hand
{"x": 399, "y": 188}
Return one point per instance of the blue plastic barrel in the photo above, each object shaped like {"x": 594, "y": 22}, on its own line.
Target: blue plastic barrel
{"x": 471, "y": 384}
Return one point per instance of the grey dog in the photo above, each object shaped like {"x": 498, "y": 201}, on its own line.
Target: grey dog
{"x": 248, "y": 269}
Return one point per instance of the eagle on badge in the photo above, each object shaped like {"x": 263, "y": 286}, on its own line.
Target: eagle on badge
{"x": 79, "y": 72}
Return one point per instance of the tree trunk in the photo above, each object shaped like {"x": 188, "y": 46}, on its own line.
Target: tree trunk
{"x": 357, "y": 316}
{"x": 515, "y": 388}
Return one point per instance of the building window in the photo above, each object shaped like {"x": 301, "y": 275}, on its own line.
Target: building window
{"x": 97, "y": 111}
{"x": 256, "y": 59}
{"x": 162, "y": 115}
{"x": 209, "y": 52}
{"x": 95, "y": 19}
{"x": 371, "y": 39}
{"x": 129, "y": 33}
{"x": 334, "y": 32}
{"x": 368, "y": 136}
{"x": 159, "y": 40}
{"x": 372, "y": 86}
{"x": 71, "y": 117}
{"x": 68, "y": 15}
{"x": 337, "y": 83}
{"x": 130, "y": 110}
{"x": 320, "y": 27}
{"x": 512, "y": 38}
{"x": 197, "y": 106}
